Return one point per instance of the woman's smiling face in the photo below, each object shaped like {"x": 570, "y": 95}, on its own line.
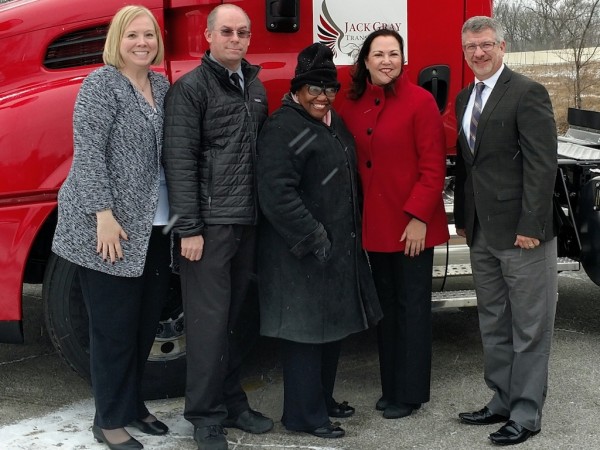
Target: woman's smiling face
{"x": 384, "y": 60}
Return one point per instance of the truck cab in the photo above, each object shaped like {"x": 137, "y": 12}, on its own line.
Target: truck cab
{"x": 48, "y": 47}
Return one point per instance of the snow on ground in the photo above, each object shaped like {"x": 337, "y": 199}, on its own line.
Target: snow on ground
{"x": 70, "y": 428}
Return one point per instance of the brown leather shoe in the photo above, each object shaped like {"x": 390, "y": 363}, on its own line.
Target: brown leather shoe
{"x": 482, "y": 417}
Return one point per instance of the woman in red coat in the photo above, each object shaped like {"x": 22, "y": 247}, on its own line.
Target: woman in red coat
{"x": 402, "y": 164}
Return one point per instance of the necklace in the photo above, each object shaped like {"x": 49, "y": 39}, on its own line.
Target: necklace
{"x": 138, "y": 86}
{"x": 145, "y": 90}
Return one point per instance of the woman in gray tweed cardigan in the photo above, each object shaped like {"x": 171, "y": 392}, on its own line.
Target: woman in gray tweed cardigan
{"x": 115, "y": 192}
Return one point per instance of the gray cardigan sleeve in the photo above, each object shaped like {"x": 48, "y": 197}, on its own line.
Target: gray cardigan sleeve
{"x": 93, "y": 118}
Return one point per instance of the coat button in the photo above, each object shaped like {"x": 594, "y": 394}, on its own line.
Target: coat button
{"x": 369, "y": 164}
{"x": 369, "y": 130}
{"x": 353, "y": 234}
{"x": 377, "y": 101}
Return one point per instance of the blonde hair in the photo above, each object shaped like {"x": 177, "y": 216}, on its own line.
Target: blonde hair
{"x": 121, "y": 20}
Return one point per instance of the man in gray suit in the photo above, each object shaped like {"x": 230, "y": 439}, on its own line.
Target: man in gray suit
{"x": 505, "y": 172}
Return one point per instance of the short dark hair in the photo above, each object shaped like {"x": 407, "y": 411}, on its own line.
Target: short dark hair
{"x": 477, "y": 24}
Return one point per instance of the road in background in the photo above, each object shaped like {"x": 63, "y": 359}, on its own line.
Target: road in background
{"x": 44, "y": 405}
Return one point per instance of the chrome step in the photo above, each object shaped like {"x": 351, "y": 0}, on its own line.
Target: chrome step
{"x": 453, "y": 299}
{"x": 564, "y": 264}
{"x": 453, "y": 270}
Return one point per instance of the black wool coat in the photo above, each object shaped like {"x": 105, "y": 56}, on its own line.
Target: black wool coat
{"x": 307, "y": 188}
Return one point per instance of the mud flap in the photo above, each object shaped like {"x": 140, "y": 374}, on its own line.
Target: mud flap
{"x": 589, "y": 228}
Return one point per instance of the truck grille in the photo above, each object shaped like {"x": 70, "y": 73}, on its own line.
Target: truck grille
{"x": 80, "y": 48}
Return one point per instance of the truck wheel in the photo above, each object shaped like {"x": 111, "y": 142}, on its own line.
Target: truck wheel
{"x": 67, "y": 324}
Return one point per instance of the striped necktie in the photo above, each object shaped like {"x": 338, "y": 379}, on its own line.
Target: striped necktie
{"x": 235, "y": 78}
{"x": 477, "y": 107}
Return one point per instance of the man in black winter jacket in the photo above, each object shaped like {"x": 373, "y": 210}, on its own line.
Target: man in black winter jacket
{"x": 212, "y": 118}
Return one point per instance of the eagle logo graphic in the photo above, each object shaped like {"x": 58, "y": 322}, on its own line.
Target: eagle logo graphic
{"x": 330, "y": 34}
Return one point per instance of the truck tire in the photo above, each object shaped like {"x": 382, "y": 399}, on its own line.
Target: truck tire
{"x": 67, "y": 324}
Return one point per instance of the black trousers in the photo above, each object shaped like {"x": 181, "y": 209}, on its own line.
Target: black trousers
{"x": 404, "y": 286}
{"x": 123, "y": 317}
{"x": 213, "y": 290}
{"x": 309, "y": 372}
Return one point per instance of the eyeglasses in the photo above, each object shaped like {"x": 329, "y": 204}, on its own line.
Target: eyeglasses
{"x": 242, "y": 34}
{"x": 485, "y": 46}
{"x": 318, "y": 90}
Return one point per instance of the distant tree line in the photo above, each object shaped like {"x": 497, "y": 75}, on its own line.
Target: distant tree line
{"x": 574, "y": 25}
{"x": 549, "y": 24}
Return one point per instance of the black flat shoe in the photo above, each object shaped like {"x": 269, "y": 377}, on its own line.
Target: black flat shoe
{"x": 329, "y": 431}
{"x": 482, "y": 417}
{"x": 511, "y": 433}
{"x": 156, "y": 428}
{"x": 341, "y": 410}
{"x": 381, "y": 404}
{"x": 400, "y": 410}
{"x": 130, "y": 444}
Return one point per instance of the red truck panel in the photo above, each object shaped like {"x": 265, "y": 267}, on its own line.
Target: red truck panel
{"x": 36, "y": 103}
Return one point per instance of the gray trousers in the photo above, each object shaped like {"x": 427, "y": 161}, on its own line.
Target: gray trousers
{"x": 516, "y": 300}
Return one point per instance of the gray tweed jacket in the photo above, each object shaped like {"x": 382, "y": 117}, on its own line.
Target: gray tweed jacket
{"x": 116, "y": 164}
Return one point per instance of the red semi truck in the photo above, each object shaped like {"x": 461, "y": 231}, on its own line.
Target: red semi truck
{"x": 47, "y": 47}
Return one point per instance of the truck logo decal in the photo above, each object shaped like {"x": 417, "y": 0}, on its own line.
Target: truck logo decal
{"x": 331, "y": 35}
{"x": 343, "y": 28}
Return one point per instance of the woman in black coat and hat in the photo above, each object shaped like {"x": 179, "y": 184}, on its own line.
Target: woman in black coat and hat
{"x": 315, "y": 286}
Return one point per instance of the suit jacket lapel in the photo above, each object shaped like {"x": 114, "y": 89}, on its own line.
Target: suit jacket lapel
{"x": 495, "y": 96}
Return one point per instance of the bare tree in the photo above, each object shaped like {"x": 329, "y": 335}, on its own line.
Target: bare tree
{"x": 573, "y": 25}
{"x": 524, "y": 29}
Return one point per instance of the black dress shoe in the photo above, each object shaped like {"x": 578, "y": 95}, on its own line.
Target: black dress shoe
{"x": 329, "y": 431}
{"x": 211, "y": 437}
{"x": 482, "y": 417}
{"x": 511, "y": 433}
{"x": 156, "y": 428}
{"x": 381, "y": 404}
{"x": 341, "y": 410}
{"x": 250, "y": 421}
{"x": 130, "y": 444}
{"x": 400, "y": 410}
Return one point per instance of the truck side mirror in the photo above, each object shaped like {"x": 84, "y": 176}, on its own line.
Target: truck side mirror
{"x": 283, "y": 16}
{"x": 436, "y": 79}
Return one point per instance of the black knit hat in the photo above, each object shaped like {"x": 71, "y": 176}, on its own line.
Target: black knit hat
{"x": 315, "y": 66}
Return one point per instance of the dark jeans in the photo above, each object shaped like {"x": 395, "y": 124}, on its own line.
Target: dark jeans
{"x": 123, "y": 317}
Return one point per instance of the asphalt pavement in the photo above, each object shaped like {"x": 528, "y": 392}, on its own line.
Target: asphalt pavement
{"x": 44, "y": 405}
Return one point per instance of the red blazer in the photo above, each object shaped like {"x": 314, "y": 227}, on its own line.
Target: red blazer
{"x": 401, "y": 151}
